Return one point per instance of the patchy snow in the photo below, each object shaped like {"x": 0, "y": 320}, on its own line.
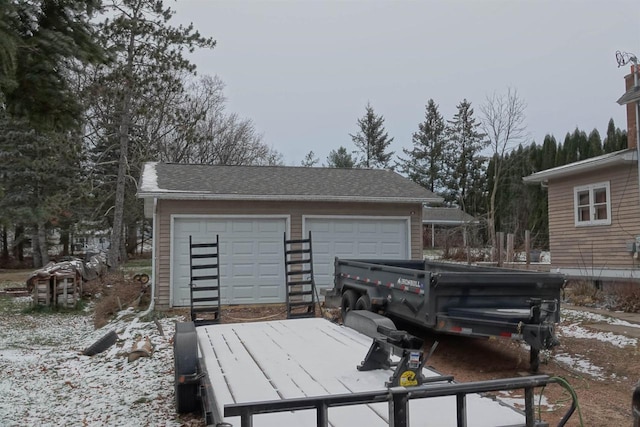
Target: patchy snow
{"x": 568, "y": 314}
{"x": 515, "y": 398}
{"x": 580, "y": 364}
{"x": 47, "y": 381}
{"x": 574, "y": 330}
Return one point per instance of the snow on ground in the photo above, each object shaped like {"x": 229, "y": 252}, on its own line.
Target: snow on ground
{"x": 580, "y": 364}
{"x": 568, "y": 314}
{"x": 576, "y": 331}
{"x": 46, "y": 380}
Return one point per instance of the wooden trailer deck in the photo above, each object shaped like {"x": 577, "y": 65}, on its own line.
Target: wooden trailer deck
{"x": 297, "y": 358}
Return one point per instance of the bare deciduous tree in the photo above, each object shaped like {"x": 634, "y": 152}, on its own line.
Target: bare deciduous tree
{"x": 503, "y": 122}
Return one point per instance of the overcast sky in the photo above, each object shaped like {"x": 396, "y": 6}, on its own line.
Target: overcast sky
{"x": 303, "y": 71}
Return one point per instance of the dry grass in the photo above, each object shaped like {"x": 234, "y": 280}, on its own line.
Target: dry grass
{"x": 112, "y": 293}
{"x": 626, "y": 297}
{"x": 582, "y": 292}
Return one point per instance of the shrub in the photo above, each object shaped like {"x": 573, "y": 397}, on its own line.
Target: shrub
{"x": 626, "y": 297}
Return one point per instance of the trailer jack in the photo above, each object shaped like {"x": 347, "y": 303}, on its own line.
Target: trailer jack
{"x": 408, "y": 371}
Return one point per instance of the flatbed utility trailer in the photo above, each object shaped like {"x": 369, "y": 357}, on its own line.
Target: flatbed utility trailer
{"x": 304, "y": 372}
{"x": 456, "y": 298}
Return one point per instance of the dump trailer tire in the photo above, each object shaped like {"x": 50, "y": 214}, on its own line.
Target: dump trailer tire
{"x": 349, "y": 298}
{"x": 363, "y": 303}
{"x": 102, "y": 344}
{"x": 185, "y": 357}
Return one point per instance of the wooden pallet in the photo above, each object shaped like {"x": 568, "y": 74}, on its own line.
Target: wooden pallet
{"x": 68, "y": 290}
{"x": 42, "y": 291}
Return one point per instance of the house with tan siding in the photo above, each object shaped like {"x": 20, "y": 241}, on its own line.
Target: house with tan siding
{"x": 594, "y": 211}
{"x": 352, "y": 213}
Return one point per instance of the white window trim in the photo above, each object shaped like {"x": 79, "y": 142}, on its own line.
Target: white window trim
{"x": 591, "y": 188}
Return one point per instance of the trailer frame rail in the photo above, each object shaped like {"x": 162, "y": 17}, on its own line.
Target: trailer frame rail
{"x": 398, "y": 398}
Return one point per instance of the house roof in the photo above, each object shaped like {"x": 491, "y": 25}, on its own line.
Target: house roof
{"x": 451, "y": 216}
{"x": 632, "y": 95}
{"x": 214, "y": 182}
{"x": 606, "y": 160}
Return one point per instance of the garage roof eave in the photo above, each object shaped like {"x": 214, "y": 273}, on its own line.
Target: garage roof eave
{"x": 171, "y": 195}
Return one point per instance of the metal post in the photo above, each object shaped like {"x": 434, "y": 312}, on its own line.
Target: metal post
{"x": 246, "y": 418}
{"x": 461, "y": 409}
{"x": 398, "y": 414}
{"x": 635, "y": 406}
{"x": 529, "y": 412}
{"x": 322, "y": 414}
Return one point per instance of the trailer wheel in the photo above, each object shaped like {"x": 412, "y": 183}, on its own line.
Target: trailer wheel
{"x": 363, "y": 303}
{"x": 349, "y": 298}
{"x": 185, "y": 357}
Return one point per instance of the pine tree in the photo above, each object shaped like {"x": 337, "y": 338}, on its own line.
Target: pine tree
{"x": 147, "y": 67}
{"x": 372, "y": 140}
{"x": 615, "y": 140}
{"x": 425, "y": 160}
{"x": 594, "y": 144}
{"x": 41, "y": 46}
{"x": 466, "y": 167}
{"x": 340, "y": 158}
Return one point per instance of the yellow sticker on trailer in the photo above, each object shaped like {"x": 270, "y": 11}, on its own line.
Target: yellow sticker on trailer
{"x": 408, "y": 379}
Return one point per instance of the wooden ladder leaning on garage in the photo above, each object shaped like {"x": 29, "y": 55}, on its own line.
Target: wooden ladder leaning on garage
{"x": 300, "y": 286}
{"x": 204, "y": 266}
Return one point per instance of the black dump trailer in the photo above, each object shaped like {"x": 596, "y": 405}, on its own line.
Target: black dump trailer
{"x": 456, "y": 298}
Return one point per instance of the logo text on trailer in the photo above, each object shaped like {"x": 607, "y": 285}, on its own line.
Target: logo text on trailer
{"x": 409, "y": 283}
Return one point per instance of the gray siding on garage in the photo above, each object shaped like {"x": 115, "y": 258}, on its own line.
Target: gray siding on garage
{"x": 295, "y": 211}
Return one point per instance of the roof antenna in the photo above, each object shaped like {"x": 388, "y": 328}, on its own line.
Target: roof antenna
{"x": 624, "y": 58}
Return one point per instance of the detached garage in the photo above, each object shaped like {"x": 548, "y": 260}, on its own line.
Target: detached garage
{"x": 352, "y": 213}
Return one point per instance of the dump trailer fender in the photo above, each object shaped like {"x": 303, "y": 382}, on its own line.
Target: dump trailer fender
{"x": 185, "y": 354}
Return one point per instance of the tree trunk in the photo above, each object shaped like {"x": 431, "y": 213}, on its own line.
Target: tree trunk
{"x": 114, "y": 258}
{"x": 5, "y": 244}
{"x": 39, "y": 246}
{"x": 18, "y": 243}
{"x": 132, "y": 237}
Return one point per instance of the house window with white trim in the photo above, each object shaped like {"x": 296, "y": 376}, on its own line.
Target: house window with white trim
{"x": 592, "y": 204}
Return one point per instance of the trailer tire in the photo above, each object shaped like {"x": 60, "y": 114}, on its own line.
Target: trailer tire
{"x": 364, "y": 303}
{"x": 185, "y": 357}
{"x": 349, "y": 298}
{"x": 102, "y": 344}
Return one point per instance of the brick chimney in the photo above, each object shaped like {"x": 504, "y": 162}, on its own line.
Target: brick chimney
{"x": 631, "y": 112}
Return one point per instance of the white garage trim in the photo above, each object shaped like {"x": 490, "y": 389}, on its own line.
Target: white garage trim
{"x": 177, "y": 217}
{"x": 323, "y": 267}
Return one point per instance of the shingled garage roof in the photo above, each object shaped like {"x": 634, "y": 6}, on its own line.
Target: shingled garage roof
{"x": 208, "y": 182}
{"x": 446, "y": 216}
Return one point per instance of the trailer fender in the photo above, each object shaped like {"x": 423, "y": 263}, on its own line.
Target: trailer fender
{"x": 367, "y": 322}
{"x": 185, "y": 355}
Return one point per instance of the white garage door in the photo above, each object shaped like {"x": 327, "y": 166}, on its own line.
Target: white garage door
{"x": 251, "y": 257}
{"x": 355, "y": 238}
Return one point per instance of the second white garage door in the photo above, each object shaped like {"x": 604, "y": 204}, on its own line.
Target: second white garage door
{"x": 251, "y": 257}
{"x": 354, "y": 238}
